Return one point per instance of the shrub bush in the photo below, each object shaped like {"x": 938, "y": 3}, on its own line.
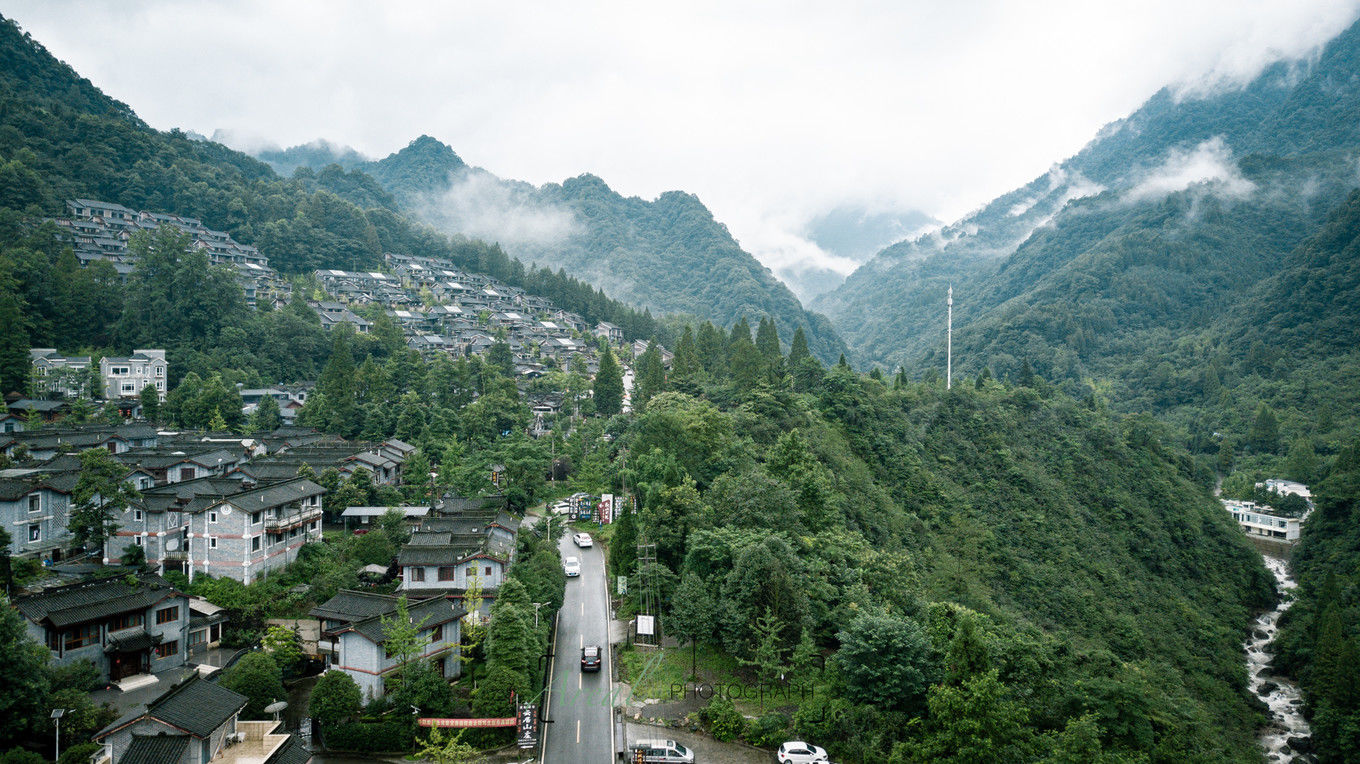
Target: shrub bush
{"x": 386, "y": 736}
{"x": 724, "y": 720}
{"x": 768, "y": 731}
{"x": 78, "y": 754}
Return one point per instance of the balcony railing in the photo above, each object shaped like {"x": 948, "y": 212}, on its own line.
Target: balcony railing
{"x": 291, "y": 520}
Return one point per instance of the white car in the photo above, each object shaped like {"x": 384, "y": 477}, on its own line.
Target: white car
{"x": 584, "y": 540}
{"x": 798, "y": 752}
{"x": 572, "y": 566}
{"x": 561, "y": 508}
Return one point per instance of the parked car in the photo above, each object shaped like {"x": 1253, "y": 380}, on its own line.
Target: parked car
{"x": 584, "y": 540}
{"x": 572, "y": 566}
{"x": 590, "y": 658}
{"x": 561, "y": 508}
{"x": 660, "y": 752}
{"x": 798, "y": 752}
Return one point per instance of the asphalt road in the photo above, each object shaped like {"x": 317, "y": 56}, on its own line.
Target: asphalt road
{"x": 580, "y": 705}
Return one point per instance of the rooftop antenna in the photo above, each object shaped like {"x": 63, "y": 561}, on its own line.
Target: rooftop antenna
{"x": 949, "y": 340}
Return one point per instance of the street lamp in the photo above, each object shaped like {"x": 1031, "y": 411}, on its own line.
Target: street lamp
{"x": 537, "y": 605}
{"x": 57, "y": 713}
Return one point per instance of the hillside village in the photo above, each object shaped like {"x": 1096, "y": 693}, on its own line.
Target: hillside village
{"x": 223, "y": 505}
{"x": 311, "y": 456}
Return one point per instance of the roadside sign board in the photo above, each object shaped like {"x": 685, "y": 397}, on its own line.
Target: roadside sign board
{"x": 528, "y": 725}
{"x": 508, "y": 721}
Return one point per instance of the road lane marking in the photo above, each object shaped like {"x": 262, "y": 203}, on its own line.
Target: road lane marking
{"x": 547, "y": 696}
{"x": 578, "y": 731}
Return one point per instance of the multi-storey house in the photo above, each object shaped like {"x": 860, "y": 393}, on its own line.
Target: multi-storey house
{"x": 124, "y": 626}
{"x": 125, "y": 377}
{"x": 222, "y": 526}
{"x": 353, "y": 635}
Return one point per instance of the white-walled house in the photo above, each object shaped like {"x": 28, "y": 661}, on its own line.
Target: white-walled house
{"x": 125, "y": 377}
{"x": 35, "y": 508}
{"x": 352, "y": 626}
{"x": 1258, "y": 520}
{"x": 221, "y": 526}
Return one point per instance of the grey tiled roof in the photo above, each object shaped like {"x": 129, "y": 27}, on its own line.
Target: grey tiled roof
{"x": 364, "y": 612}
{"x": 155, "y": 749}
{"x": 432, "y": 611}
{"x": 196, "y": 706}
{"x": 353, "y": 606}
{"x": 430, "y": 555}
{"x": 93, "y": 600}
{"x": 430, "y": 538}
{"x": 291, "y": 752}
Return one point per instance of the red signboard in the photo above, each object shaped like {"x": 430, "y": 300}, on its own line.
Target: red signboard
{"x": 509, "y": 721}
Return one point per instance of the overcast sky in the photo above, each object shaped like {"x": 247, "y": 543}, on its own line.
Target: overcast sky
{"x": 770, "y": 112}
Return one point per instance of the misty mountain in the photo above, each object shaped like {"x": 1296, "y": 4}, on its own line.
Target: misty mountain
{"x": 316, "y": 154}
{"x": 61, "y": 138}
{"x": 853, "y": 234}
{"x": 668, "y": 254}
{"x": 1158, "y": 227}
{"x": 857, "y": 233}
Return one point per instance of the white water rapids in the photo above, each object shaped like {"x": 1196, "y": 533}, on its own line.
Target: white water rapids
{"x": 1283, "y": 697}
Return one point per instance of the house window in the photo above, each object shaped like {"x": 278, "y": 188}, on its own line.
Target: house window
{"x": 255, "y": 544}
{"x": 35, "y": 533}
{"x": 82, "y": 635}
{"x": 186, "y": 473}
{"x": 417, "y": 574}
{"x": 160, "y": 371}
{"x": 137, "y": 540}
{"x": 212, "y": 517}
{"x": 167, "y": 649}
{"x": 127, "y": 388}
{"x": 197, "y": 637}
{"x": 126, "y": 621}
{"x": 488, "y": 571}
{"x": 35, "y": 503}
{"x": 167, "y": 614}
{"x": 212, "y": 542}
{"x": 118, "y": 370}
{"x": 255, "y": 517}
{"x": 137, "y": 515}
{"x": 160, "y": 385}
{"x": 437, "y": 633}
{"x": 446, "y": 572}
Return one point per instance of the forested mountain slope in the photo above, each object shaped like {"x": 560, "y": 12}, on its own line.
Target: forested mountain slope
{"x": 60, "y": 138}
{"x": 929, "y": 538}
{"x": 668, "y": 254}
{"x": 1161, "y": 221}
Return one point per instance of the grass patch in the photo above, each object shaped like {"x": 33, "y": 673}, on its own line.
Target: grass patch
{"x": 662, "y": 674}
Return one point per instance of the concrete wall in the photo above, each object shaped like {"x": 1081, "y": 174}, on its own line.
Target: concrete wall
{"x": 52, "y": 517}
{"x": 366, "y": 662}
{"x": 461, "y": 572}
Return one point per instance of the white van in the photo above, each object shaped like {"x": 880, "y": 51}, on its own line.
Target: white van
{"x": 659, "y": 752}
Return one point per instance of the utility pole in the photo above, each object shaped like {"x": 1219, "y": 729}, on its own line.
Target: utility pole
{"x": 646, "y": 574}
{"x": 949, "y": 340}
